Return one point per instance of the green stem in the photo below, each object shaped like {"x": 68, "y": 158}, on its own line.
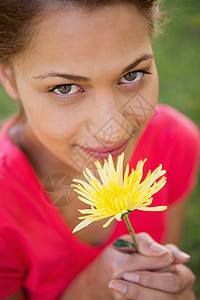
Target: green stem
{"x": 130, "y": 228}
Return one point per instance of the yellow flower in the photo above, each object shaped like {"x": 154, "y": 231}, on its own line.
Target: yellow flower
{"x": 116, "y": 195}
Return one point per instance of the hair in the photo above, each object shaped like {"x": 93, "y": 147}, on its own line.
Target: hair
{"x": 19, "y": 20}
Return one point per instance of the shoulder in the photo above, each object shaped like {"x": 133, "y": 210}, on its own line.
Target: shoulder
{"x": 18, "y": 184}
{"x": 181, "y": 145}
{"x": 175, "y": 135}
{"x": 172, "y": 121}
{"x": 14, "y": 166}
{"x": 170, "y": 128}
{"x": 171, "y": 139}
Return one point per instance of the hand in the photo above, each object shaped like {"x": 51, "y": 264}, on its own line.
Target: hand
{"x": 174, "y": 282}
{"x": 112, "y": 263}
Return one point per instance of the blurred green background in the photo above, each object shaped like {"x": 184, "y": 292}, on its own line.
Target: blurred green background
{"x": 177, "y": 53}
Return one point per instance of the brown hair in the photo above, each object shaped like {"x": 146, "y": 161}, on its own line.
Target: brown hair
{"x": 19, "y": 19}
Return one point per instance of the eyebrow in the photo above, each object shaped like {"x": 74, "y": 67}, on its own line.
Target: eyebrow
{"x": 137, "y": 62}
{"x": 86, "y": 79}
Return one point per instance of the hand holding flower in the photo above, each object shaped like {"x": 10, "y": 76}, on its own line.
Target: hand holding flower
{"x": 172, "y": 282}
{"x": 148, "y": 274}
{"x": 108, "y": 272}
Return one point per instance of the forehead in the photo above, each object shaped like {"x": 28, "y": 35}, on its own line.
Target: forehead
{"x": 74, "y": 38}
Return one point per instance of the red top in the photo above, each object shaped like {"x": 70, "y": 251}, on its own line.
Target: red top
{"x": 38, "y": 252}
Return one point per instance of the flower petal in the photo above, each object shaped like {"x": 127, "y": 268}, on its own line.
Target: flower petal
{"x": 118, "y": 217}
{"x": 126, "y": 176}
{"x": 87, "y": 201}
{"x": 86, "y": 185}
{"x": 120, "y": 169}
{"x": 102, "y": 174}
{"x": 108, "y": 170}
{"x": 108, "y": 222}
{"x": 83, "y": 194}
{"x": 85, "y": 211}
{"x": 81, "y": 225}
{"x": 111, "y": 164}
{"x": 93, "y": 178}
{"x": 155, "y": 208}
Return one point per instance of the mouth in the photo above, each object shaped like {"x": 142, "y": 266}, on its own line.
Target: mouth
{"x": 103, "y": 152}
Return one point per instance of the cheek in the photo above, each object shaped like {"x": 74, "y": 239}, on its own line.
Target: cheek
{"x": 142, "y": 105}
{"x": 149, "y": 97}
{"x": 50, "y": 122}
{"x": 152, "y": 89}
{"x": 56, "y": 126}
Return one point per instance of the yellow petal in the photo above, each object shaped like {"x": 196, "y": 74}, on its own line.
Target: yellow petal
{"x": 139, "y": 167}
{"x": 86, "y": 176}
{"x": 156, "y": 208}
{"x": 126, "y": 176}
{"x": 81, "y": 225}
{"x": 107, "y": 169}
{"x": 85, "y": 184}
{"x": 102, "y": 175}
{"x": 93, "y": 178}
{"x": 111, "y": 164}
{"x": 85, "y": 211}
{"x": 120, "y": 160}
{"x": 108, "y": 222}
{"x": 118, "y": 217}
{"x": 87, "y": 201}
{"x": 83, "y": 194}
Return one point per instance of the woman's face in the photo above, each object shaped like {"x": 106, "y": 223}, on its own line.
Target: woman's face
{"x": 88, "y": 84}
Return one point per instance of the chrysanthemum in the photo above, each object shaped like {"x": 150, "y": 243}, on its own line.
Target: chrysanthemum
{"x": 117, "y": 196}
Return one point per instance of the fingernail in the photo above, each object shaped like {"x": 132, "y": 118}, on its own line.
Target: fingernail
{"x": 158, "y": 248}
{"x": 133, "y": 277}
{"x": 118, "y": 286}
{"x": 183, "y": 255}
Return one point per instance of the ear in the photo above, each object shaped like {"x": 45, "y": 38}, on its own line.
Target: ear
{"x": 8, "y": 81}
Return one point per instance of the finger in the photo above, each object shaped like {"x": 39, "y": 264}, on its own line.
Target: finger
{"x": 143, "y": 263}
{"x": 186, "y": 275}
{"x": 171, "y": 269}
{"x": 180, "y": 257}
{"x": 138, "y": 262}
{"x": 167, "y": 282}
{"x": 147, "y": 246}
{"x": 126, "y": 290}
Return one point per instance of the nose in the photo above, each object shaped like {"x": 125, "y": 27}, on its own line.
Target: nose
{"x": 106, "y": 120}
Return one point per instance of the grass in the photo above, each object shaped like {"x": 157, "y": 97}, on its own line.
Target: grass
{"x": 178, "y": 60}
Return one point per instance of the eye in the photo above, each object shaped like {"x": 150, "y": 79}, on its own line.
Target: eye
{"x": 66, "y": 89}
{"x": 133, "y": 77}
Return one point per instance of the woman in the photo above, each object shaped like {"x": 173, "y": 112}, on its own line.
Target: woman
{"x": 86, "y": 78}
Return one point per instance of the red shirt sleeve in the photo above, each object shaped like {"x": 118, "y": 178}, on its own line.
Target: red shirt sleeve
{"x": 11, "y": 273}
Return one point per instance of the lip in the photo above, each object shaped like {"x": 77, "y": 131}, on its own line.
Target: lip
{"x": 103, "y": 152}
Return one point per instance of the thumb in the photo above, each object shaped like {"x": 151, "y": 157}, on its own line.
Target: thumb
{"x": 148, "y": 247}
{"x": 180, "y": 257}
